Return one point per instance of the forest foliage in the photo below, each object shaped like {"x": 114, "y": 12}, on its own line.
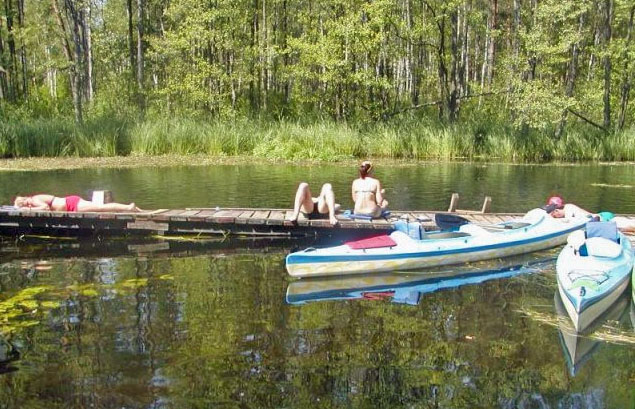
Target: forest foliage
{"x": 550, "y": 79}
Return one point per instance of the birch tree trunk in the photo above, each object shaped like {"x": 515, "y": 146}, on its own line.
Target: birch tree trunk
{"x": 628, "y": 74}
{"x": 140, "y": 51}
{"x": 607, "y": 8}
{"x": 11, "y": 61}
{"x": 88, "y": 50}
{"x": 51, "y": 75}
{"x": 3, "y": 71}
{"x": 22, "y": 53}
{"x": 264, "y": 56}
{"x": 491, "y": 52}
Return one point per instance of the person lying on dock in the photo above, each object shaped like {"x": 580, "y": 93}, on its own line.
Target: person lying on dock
{"x": 367, "y": 192}
{"x": 558, "y": 209}
{"x": 319, "y": 207}
{"x": 69, "y": 204}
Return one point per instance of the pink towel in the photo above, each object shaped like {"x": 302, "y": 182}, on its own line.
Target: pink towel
{"x": 373, "y": 242}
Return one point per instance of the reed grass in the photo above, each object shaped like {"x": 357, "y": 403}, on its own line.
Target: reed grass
{"x": 322, "y": 140}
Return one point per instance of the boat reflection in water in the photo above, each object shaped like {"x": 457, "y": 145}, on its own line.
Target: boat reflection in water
{"x": 580, "y": 346}
{"x": 405, "y": 288}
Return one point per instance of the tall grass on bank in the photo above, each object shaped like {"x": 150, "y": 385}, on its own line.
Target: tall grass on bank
{"x": 59, "y": 137}
{"x": 318, "y": 140}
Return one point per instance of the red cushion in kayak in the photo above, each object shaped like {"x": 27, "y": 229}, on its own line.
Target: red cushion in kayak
{"x": 372, "y": 242}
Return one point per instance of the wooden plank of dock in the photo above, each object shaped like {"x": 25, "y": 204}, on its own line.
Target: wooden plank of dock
{"x": 238, "y": 221}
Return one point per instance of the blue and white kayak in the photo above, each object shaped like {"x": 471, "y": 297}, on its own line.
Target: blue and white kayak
{"x": 534, "y": 231}
{"x": 592, "y": 273}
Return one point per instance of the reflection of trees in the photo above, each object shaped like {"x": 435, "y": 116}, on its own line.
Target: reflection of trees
{"x": 214, "y": 331}
{"x": 84, "y": 355}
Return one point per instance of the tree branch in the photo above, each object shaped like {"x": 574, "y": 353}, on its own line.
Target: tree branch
{"x": 587, "y": 120}
{"x": 431, "y": 103}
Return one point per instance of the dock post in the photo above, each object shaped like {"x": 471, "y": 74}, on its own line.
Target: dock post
{"x": 454, "y": 202}
{"x": 101, "y": 196}
{"x": 486, "y": 204}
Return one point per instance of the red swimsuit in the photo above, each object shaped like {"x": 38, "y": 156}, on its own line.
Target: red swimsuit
{"x": 71, "y": 203}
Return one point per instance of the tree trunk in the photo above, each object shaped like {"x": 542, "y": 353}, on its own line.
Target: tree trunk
{"x": 285, "y": 33}
{"x": 516, "y": 31}
{"x": 73, "y": 55}
{"x": 3, "y": 72}
{"x": 264, "y": 59}
{"x": 465, "y": 47}
{"x": 78, "y": 67}
{"x": 88, "y": 50}
{"x": 627, "y": 77}
{"x": 11, "y": 62}
{"x": 51, "y": 75}
{"x": 131, "y": 44}
{"x": 453, "y": 96}
{"x": 484, "y": 68}
{"x": 607, "y": 6}
{"x": 572, "y": 74}
{"x": 492, "y": 41}
{"x": 442, "y": 70}
{"x": 22, "y": 51}
{"x": 252, "y": 66}
{"x": 140, "y": 50}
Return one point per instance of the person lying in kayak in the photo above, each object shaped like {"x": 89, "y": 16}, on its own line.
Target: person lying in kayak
{"x": 557, "y": 208}
{"x": 69, "y": 204}
{"x": 320, "y": 207}
{"x": 367, "y": 192}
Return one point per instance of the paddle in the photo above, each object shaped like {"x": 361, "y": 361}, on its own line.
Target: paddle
{"x": 447, "y": 221}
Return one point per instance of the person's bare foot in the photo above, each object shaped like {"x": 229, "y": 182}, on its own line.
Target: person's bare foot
{"x": 133, "y": 208}
{"x": 293, "y": 218}
{"x": 333, "y": 220}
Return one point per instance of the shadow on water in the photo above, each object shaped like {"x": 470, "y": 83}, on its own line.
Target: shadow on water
{"x": 408, "y": 288}
{"x": 40, "y": 247}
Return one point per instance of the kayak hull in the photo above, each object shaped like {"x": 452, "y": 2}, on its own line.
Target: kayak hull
{"x": 543, "y": 232}
{"x": 589, "y": 285}
{"x": 405, "y": 287}
{"x": 579, "y": 347}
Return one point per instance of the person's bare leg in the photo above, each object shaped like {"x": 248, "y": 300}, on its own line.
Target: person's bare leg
{"x": 326, "y": 203}
{"x": 303, "y": 201}
{"x": 88, "y": 206}
{"x": 384, "y": 202}
{"x": 625, "y": 225}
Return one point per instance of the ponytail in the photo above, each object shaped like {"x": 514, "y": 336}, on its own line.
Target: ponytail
{"x": 364, "y": 169}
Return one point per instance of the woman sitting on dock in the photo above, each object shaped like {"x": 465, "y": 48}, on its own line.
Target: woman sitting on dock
{"x": 319, "y": 207}
{"x": 367, "y": 193}
{"x": 69, "y": 204}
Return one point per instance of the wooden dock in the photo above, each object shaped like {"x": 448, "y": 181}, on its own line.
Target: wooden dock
{"x": 201, "y": 221}
{"x": 221, "y": 221}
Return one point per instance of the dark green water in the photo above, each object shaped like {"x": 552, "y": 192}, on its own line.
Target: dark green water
{"x": 513, "y": 188}
{"x": 111, "y": 325}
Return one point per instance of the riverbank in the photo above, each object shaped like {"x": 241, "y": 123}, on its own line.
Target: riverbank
{"x": 322, "y": 141}
{"x": 141, "y": 161}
